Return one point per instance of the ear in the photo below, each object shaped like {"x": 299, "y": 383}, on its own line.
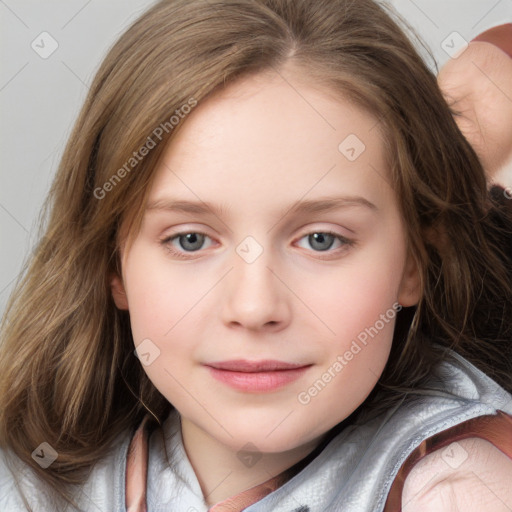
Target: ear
{"x": 410, "y": 287}
{"x": 118, "y": 292}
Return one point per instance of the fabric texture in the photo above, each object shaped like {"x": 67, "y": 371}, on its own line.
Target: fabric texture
{"x": 496, "y": 429}
{"x": 359, "y": 468}
{"x": 355, "y": 472}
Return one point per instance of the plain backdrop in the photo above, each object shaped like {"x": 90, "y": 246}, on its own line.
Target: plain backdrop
{"x": 40, "y": 94}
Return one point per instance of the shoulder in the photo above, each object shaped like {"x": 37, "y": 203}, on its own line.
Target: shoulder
{"x": 105, "y": 487}
{"x": 15, "y": 484}
{"x": 102, "y": 490}
{"x": 470, "y": 474}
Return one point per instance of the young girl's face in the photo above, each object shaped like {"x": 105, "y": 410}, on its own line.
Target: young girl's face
{"x": 258, "y": 277}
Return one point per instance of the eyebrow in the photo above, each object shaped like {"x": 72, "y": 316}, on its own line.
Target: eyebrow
{"x": 324, "y": 204}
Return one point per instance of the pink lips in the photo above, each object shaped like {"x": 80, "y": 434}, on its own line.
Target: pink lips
{"x": 256, "y": 376}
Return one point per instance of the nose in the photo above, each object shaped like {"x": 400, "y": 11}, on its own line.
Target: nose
{"x": 255, "y": 296}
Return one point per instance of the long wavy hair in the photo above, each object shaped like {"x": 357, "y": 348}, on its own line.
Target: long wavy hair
{"x": 68, "y": 374}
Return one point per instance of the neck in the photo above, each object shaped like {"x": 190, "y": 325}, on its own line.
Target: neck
{"x": 223, "y": 473}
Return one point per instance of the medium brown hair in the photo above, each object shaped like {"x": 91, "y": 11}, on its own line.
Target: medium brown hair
{"x": 68, "y": 374}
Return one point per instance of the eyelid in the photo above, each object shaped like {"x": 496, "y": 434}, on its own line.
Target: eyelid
{"x": 329, "y": 230}
{"x": 190, "y": 255}
{"x": 329, "y": 254}
{"x": 167, "y": 239}
{"x": 174, "y": 232}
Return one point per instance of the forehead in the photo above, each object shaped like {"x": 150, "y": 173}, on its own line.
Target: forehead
{"x": 270, "y": 139}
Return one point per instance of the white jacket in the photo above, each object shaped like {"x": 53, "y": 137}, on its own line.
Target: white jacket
{"x": 353, "y": 473}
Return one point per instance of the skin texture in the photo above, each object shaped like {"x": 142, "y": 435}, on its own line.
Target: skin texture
{"x": 481, "y": 483}
{"x": 257, "y": 148}
{"x": 478, "y": 85}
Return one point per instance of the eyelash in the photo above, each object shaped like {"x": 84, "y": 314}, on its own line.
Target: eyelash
{"x": 347, "y": 243}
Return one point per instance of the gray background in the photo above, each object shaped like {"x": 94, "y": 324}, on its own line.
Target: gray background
{"x": 40, "y": 98}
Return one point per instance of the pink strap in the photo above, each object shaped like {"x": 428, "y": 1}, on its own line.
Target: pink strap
{"x": 246, "y": 498}
{"x": 137, "y": 471}
{"x": 497, "y": 429}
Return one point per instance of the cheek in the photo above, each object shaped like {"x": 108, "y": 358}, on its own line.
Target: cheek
{"x": 163, "y": 304}
{"x": 353, "y": 295}
{"x": 358, "y": 304}
{"x": 353, "y": 359}
{"x": 339, "y": 304}
{"x": 158, "y": 293}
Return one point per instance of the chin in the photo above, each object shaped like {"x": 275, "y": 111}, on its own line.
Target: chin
{"x": 277, "y": 438}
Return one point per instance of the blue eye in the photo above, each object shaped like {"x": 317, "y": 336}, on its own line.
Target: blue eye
{"x": 322, "y": 241}
{"x": 191, "y": 242}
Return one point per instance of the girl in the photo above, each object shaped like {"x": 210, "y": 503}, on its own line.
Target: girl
{"x": 271, "y": 278}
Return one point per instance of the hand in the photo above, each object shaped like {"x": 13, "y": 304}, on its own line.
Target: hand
{"x": 478, "y": 87}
